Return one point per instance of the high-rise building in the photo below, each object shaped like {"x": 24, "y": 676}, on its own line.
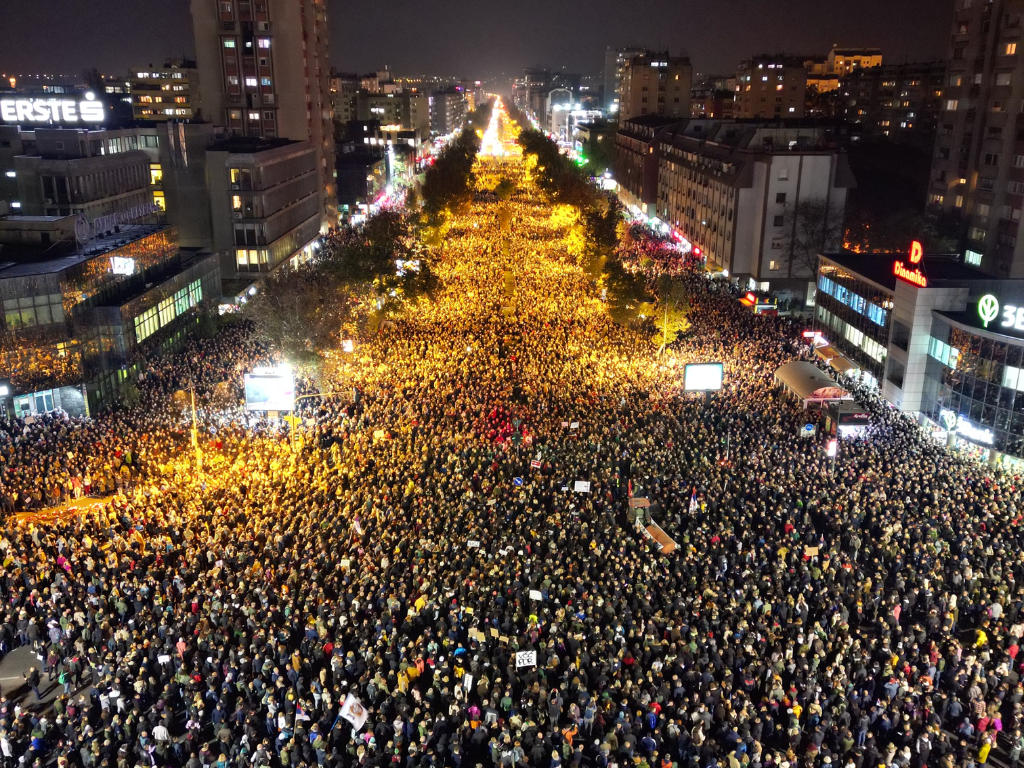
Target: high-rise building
{"x": 655, "y": 84}
{"x": 614, "y": 63}
{"x": 899, "y": 101}
{"x": 447, "y": 111}
{"x": 771, "y": 86}
{"x": 170, "y": 92}
{"x": 265, "y": 71}
{"x": 344, "y": 88}
{"x": 978, "y": 166}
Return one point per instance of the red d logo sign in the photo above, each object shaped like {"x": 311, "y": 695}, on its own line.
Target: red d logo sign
{"x": 916, "y": 252}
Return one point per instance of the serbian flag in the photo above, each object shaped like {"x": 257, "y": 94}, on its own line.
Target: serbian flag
{"x": 693, "y": 501}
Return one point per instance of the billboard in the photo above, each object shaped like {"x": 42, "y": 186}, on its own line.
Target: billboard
{"x": 270, "y": 389}
{"x": 703, "y": 377}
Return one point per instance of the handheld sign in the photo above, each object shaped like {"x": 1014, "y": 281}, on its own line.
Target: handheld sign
{"x": 526, "y": 659}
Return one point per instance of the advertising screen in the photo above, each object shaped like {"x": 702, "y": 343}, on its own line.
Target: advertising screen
{"x": 270, "y": 391}
{"x": 703, "y": 377}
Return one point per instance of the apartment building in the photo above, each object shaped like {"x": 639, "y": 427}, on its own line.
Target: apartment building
{"x": 265, "y": 70}
{"x": 978, "y": 165}
{"x": 771, "y": 87}
{"x": 655, "y": 84}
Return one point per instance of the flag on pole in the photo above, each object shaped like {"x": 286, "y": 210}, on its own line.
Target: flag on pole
{"x": 693, "y": 501}
{"x": 354, "y": 712}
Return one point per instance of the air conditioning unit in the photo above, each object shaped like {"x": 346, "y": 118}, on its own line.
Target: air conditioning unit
{"x": 264, "y": 26}
{"x": 236, "y": 214}
{"x": 234, "y": 186}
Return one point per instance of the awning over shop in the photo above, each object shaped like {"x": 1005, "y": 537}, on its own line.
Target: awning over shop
{"x": 835, "y": 359}
{"x": 808, "y": 382}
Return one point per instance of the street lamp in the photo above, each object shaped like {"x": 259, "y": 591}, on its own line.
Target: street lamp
{"x": 191, "y": 389}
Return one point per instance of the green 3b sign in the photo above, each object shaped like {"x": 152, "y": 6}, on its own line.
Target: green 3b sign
{"x": 1010, "y": 317}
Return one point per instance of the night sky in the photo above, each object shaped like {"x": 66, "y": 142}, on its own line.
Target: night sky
{"x": 485, "y": 38}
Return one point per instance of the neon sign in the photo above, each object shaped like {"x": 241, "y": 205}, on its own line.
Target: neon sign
{"x": 52, "y": 110}
{"x": 916, "y": 252}
{"x": 988, "y": 309}
{"x": 912, "y": 276}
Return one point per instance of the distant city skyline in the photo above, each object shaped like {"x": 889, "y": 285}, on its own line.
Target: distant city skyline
{"x": 451, "y": 38}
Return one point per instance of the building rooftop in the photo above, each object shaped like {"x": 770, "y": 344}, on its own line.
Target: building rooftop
{"x": 26, "y": 260}
{"x": 249, "y": 145}
{"x": 878, "y": 267}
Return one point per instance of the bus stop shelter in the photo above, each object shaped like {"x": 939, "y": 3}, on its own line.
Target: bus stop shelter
{"x": 809, "y": 383}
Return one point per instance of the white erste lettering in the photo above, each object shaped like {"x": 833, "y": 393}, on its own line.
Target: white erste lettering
{"x": 52, "y": 110}
{"x": 91, "y": 111}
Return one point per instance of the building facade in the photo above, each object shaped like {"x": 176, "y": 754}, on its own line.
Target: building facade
{"x": 80, "y": 316}
{"x": 978, "y": 165}
{"x": 899, "y": 101}
{"x": 749, "y": 197}
{"x": 265, "y": 69}
{"x": 168, "y": 93}
{"x": 614, "y": 65}
{"x": 655, "y": 84}
{"x": 938, "y": 338}
{"x": 770, "y": 87}
{"x": 264, "y": 203}
{"x": 447, "y": 112}
{"x": 409, "y": 110}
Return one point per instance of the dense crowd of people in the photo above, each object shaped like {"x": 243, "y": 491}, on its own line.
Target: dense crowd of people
{"x": 428, "y": 529}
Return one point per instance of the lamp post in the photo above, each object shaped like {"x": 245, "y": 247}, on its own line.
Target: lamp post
{"x": 191, "y": 389}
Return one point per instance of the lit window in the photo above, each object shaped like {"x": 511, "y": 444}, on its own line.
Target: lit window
{"x": 250, "y": 82}
{"x": 158, "y": 200}
{"x": 229, "y": 43}
{"x": 265, "y": 81}
{"x": 236, "y": 202}
{"x": 1010, "y": 49}
{"x": 242, "y": 257}
{"x": 254, "y": 115}
{"x": 264, "y": 42}
{"x": 156, "y": 174}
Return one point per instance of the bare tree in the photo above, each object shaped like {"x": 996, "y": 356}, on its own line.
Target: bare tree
{"x": 811, "y": 227}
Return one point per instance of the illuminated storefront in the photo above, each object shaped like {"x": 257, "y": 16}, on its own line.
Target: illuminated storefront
{"x": 975, "y": 377}
{"x": 939, "y": 338}
{"x": 75, "y": 323}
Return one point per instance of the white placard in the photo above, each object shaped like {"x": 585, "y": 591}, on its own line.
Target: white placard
{"x": 581, "y": 486}
{"x": 473, "y": 544}
{"x": 535, "y": 594}
{"x": 526, "y": 659}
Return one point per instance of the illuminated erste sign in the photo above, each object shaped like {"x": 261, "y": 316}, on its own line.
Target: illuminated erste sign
{"x": 52, "y": 110}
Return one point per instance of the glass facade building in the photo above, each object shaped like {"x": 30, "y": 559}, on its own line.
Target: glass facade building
{"x": 975, "y": 386}
{"x": 854, "y": 316}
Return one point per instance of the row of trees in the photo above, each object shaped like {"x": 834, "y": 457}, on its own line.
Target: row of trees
{"x": 599, "y": 227}
{"x": 448, "y": 184}
{"x": 343, "y": 291}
